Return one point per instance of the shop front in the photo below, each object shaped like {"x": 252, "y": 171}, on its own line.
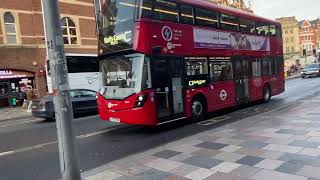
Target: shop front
{"x": 13, "y": 86}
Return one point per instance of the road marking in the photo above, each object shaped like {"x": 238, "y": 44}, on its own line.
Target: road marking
{"x": 6, "y": 153}
{"x": 214, "y": 120}
{"x": 18, "y": 122}
{"x": 38, "y": 146}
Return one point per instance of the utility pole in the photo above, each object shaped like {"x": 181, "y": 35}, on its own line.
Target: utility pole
{"x": 62, "y": 104}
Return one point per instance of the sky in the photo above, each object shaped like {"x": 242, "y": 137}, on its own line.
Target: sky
{"x": 302, "y": 9}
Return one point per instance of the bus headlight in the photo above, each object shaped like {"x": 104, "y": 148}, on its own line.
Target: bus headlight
{"x": 140, "y": 100}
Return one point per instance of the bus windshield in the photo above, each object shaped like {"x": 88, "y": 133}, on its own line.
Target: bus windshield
{"x": 123, "y": 76}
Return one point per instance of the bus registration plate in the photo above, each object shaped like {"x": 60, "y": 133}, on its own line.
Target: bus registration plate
{"x": 114, "y": 119}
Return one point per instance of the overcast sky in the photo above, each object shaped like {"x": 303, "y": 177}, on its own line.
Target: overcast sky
{"x": 302, "y": 9}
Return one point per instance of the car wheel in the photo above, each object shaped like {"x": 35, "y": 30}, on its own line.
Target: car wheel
{"x": 198, "y": 110}
{"x": 266, "y": 94}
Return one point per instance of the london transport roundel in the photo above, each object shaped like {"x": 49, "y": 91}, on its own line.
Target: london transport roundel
{"x": 223, "y": 95}
{"x": 167, "y": 33}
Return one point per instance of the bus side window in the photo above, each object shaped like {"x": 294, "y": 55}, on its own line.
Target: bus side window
{"x": 273, "y": 30}
{"x": 220, "y": 71}
{"x": 262, "y": 28}
{"x": 247, "y": 26}
{"x": 146, "y": 9}
{"x": 186, "y": 14}
{"x": 197, "y": 66}
{"x": 229, "y": 22}
{"x": 266, "y": 67}
{"x": 256, "y": 68}
{"x": 165, "y": 10}
{"x": 206, "y": 18}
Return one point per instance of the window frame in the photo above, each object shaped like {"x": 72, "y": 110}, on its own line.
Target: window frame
{"x": 6, "y": 33}
{"x": 180, "y": 14}
{"x": 212, "y": 72}
{"x": 217, "y": 22}
{"x": 155, "y": 14}
{"x": 228, "y": 15}
{"x": 69, "y": 35}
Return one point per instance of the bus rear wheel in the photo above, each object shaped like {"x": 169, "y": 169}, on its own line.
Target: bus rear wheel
{"x": 198, "y": 110}
{"x": 266, "y": 94}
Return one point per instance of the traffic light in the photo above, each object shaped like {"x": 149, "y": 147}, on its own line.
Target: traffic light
{"x": 304, "y": 52}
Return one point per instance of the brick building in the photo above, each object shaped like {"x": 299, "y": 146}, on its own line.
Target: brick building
{"x": 22, "y": 44}
{"x": 309, "y": 35}
{"x": 291, "y": 41}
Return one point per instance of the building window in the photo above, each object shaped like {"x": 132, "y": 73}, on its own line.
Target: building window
{"x": 292, "y": 49}
{"x": 287, "y": 49}
{"x": 292, "y": 39}
{"x": 10, "y": 28}
{"x": 69, "y": 31}
{"x": 291, "y": 31}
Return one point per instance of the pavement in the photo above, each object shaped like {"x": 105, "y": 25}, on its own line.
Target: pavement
{"x": 13, "y": 113}
{"x": 282, "y": 144}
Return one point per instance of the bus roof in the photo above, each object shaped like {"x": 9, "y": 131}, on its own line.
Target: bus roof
{"x": 229, "y": 10}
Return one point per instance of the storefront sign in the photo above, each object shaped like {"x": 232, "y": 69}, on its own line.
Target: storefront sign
{"x": 11, "y": 74}
{"x": 211, "y": 39}
{"x": 114, "y": 40}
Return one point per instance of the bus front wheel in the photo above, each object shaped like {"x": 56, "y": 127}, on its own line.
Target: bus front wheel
{"x": 266, "y": 94}
{"x": 198, "y": 109}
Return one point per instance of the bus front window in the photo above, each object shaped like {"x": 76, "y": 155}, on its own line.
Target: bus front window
{"x": 123, "y": 76}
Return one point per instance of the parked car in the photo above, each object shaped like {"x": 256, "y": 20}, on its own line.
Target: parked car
{"x": 311, "y": 70}
{"x": 83, "y": 101}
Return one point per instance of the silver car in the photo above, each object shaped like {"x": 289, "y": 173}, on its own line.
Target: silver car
{"x": 312, "y": 70}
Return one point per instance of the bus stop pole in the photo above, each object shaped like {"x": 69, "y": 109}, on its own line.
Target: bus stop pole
{"x": 62, "y": 104}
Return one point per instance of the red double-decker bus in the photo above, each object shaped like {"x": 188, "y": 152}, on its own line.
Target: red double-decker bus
{"x": 180, "y": 59}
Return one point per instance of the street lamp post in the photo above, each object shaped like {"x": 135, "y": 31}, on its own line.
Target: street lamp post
{"x": 61, "y": 95}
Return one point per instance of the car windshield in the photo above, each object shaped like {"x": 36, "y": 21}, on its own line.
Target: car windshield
{"x": 123, "y": 76}
{"x": 312, "y": 66}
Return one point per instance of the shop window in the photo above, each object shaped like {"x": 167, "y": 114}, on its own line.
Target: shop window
{"x": 197, "y": 66}
{"x": 221, "y": 71}
{"x": 247, "y": 26}
{"x": 69, "y": 31}
{"x": 10, "y": 28}
{"x": 165, "y": 10}
{"x": 206, "y": 18}
{"x": 229, "y": 22}
{"x": 186, "y": 14}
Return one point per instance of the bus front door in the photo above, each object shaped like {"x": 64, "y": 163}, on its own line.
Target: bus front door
{"x": 241, "y": 77}
{"x": 167, "y": 79}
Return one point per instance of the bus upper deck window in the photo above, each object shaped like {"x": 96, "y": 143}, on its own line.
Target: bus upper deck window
{"x": 247, "y": 26}
{"x": 146, "y": 9}
{"x": 206, "y": 18}
{"x": 229, "y": 22}
{"x": 165, "y": 10}
{"x": 186, "y": 14}
{"x": 262, "y": 29}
